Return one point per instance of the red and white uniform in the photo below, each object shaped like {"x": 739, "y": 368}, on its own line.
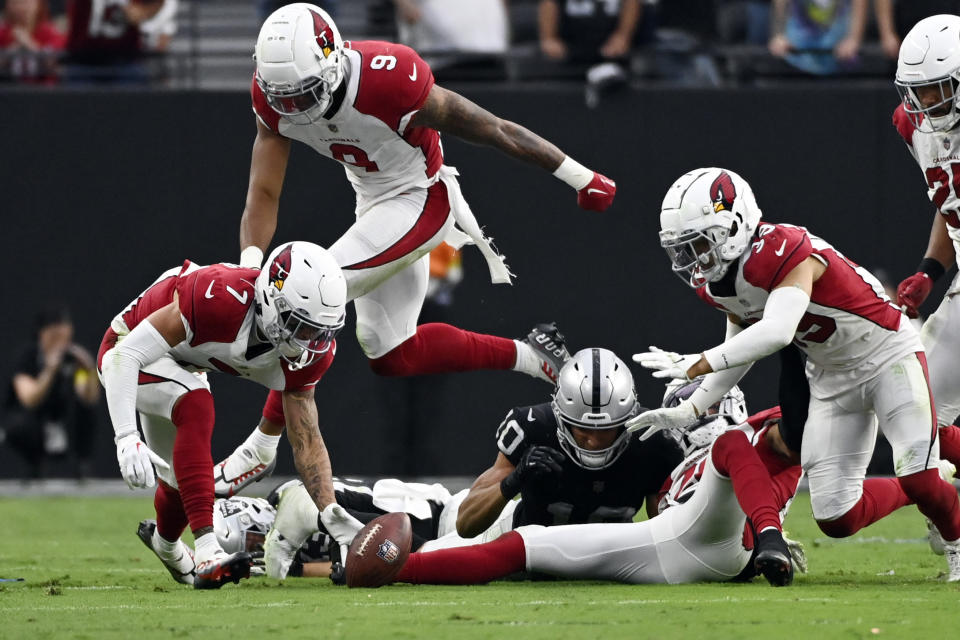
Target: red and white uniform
{"x": 407, "y": 201}
{"x": 99, "y": 29}
{"x": 216, "y": 307}
{"x": 865, "y": 359}
{"x": 938, "y": 155}
{"x": 701, "y": 537}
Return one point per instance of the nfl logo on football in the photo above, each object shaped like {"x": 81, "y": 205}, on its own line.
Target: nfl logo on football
{"x": 388, "y": 552}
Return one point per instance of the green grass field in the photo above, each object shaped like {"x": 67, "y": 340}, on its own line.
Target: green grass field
{"x": 88, "y": 576}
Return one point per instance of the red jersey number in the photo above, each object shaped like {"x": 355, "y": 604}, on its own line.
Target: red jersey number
{"x": 355, "y": 156}
{"x": 938, "y": 176}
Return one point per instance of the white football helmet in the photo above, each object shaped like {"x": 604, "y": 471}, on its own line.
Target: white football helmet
{"x": 707, "y": 221}
{"x": 301, "y": 299}
{"x": 728, "y": 413}
{"x": 300, "y": 61}
{"x": 241, "y": 524}
{"x": 929, "y": 63}
{"x": 594, "y": 391}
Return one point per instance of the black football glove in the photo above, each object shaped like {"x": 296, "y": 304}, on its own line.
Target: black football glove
{"x": 537, "y": 464}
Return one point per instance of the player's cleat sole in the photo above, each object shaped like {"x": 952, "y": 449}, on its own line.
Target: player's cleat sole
{"x": 775, "y": 567}
{"x": 176, "y": 567}
{"x": 255, "y": 471}
{"x": 549, "y": 345}
{"x": 213, "y": 574}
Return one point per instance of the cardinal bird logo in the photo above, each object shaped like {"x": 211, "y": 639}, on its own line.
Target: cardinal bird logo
{"x": 324, "y": 34}
{"x": 723, "y": 193}
{"x": 280, "y": 267}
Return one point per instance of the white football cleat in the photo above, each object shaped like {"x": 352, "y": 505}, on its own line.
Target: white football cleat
{"x": 180, "y": 563}
{"x": 549, "y": 348}
{"x": 952, "y": 552}
{"x": 296, "y": 521}
{"x": 241, "y": 468}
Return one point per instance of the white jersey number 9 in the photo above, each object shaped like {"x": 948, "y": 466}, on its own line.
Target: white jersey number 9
{"x": 379, "y": 62}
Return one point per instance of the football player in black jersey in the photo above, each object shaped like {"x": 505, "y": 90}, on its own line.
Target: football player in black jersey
{"x": 571, "y": 459}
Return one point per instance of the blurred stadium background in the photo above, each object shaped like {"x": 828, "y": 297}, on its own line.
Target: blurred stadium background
{"x": 108, "y": 180}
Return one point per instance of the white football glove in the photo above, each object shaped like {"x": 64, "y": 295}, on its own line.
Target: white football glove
{"x": 341, "y": 526}
{"x": 797, "y": 553}
{"x": 136, "y": 462}
{"x": 679, "y": 417}
{"x": 667, "y": 364}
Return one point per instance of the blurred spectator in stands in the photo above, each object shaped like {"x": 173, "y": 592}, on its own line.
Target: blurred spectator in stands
{"x": 896, "y": 17}
{"x": 49, "y": 409}
{"x": 590, "y": 31}
{"x": 29, "y": 42}
{"x": 446, "y": 272}
{"x": 105, "y": 42}
{"x": 157, "y": 32}
{"x": 444, "y": 26}
{"x": 820, "y": 37}
{"x": 744, "y": 21}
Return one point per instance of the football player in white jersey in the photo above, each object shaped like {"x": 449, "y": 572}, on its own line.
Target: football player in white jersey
{"x": 928, "y": 72}
{"x": 701, "y": 533}
{"x": 373, "y": 107}
{"x": 276, "y": 327}
{"x": 777, "y": 283}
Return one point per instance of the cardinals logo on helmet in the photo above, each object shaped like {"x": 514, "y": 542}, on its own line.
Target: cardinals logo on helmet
{"x": 723, "y": 193}
{"x": 280, "y": 268}
{"x": 323, "y": 33}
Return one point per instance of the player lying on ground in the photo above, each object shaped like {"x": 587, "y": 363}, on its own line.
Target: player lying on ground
{"x": 702, "y": 532}
{"x": 777, "y": 283}
{"x": 275, "y": 327}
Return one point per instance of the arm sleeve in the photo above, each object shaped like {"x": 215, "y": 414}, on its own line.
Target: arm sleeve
{"x": 781, "y": 315}
{"x": 716, "y": 384}
{"x": 120, "y": 376}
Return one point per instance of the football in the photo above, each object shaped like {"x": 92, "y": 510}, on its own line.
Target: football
{"x": 379, "y": 551}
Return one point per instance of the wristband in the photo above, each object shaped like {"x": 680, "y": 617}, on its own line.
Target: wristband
{"x": 251, "y": 257}
{"x": 510, "y": 486}
{"x": 573, "y": 173}
{"x": 932, "y": 267}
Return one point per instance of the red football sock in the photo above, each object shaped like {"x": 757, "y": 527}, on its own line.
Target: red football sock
{"x": 935, "y": 499}
{"x": 950, "y": 443}
{"x": 171, "y": 518}
{"x": 192, "y": 460}
{"x": 474, "y": 564}
{"x": 881, "y": 496}
{"x": 735, "y": 457}
{"x": 442, "y": 348}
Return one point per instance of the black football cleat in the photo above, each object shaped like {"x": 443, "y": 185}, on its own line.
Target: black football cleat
{"x": 223, "y": 568}
{"x": 549, "y": 345}
{"x": 180, "y": 565}
{"x": 773, "y": 558}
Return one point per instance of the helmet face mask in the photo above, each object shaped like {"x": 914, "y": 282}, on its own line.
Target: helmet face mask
{"x": 594, "y": 392}
{"x": 707, "y": 221}
{"x": 728, "y": 413}
{"x": 928, "y": 73}
{"x": 300, "y": 62}
{"x": 300, "y": 302}
{"x": 242, "y": 524}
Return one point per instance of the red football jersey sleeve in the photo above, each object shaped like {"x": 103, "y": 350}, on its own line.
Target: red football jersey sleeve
{"x": 263, "y": 111}
{"x": 309, "y": 376}
{"x": 779, "y": 249}
{"x": 757, "y": 420}
{"x": 394, "y": 81}
{"x": 904, "y": 125}
{"x": 215, "y": 300}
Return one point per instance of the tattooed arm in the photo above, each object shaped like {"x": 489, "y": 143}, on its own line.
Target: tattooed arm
{"x": 449, "y": 112}
{"x": 309, "y": 452}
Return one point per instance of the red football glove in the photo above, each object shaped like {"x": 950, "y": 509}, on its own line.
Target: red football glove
{"x": 913, "y": 291}
{"x": 598, "y": 195}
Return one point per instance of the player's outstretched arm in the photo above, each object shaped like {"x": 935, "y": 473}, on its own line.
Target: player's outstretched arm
{"x": 485, "y": 500}
{"x": 938, "y": 259}
{"x": 268, "y": 166}
{"x": 449, "y": 112}
{"x": 309, "y": 452}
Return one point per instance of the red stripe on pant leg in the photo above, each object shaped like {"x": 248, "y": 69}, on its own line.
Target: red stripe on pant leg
{"x": 474, "y": 564}
{"x": 431, "y": 220}
{"x": 171, "y": 518}
{"x": 192, "y": 461}
{"x": 734, "y": 457}
{"x": 442, "y": 348}
{"x": 881, "y": 496}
